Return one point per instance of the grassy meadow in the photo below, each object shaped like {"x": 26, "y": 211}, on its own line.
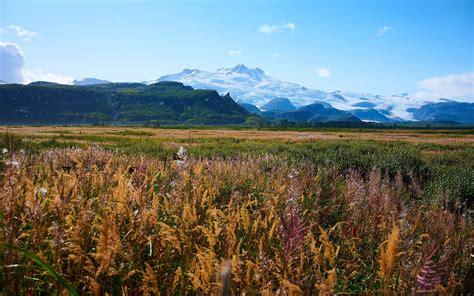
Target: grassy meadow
{"x": 131, "y": 211}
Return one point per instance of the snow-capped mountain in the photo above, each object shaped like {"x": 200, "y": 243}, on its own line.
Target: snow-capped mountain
{"x": 256, "y": 87}
{"x": 90, "y": 81}
{"x": 246, "y": 85}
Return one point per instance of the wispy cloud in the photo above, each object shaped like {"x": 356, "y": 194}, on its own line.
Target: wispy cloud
{"x": 383, "y": 30}
{"x": 323, "y": 72}
{"x": 457, "y": 86}
{"x": 234, "y": 52}
{"x": 22, "y": 32}
{"x": 274, "y": 55}
{"x": 268, "y": 29}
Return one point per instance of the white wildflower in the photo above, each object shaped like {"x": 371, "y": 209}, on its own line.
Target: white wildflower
{"x": 13, "y": 163}
{"x": 4, "y": 150}
{"x": 41, "y": 190}
{"x": 293, "y": 174}
{"x": 181, "y": 153}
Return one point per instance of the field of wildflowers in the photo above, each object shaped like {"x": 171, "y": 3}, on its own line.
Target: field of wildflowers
{"x": 212, "y": 215}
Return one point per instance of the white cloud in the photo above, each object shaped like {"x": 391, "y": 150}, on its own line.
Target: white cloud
{"x": 290, "y": 26}
{"x": 40, "y": 75}
{"x": 323, "y": 72}
{"x": 383, "y": 30}
{"x": 22, "y": 32}
{"x": 268, "y": 29}
{"x": 234, "y": 52}
{"x": 275, "y": 55}
{"x": 12, "y": 62}
{"x": 458, "y": 86}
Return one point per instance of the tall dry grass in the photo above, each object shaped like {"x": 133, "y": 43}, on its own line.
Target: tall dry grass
{"x": 118, "y": 224}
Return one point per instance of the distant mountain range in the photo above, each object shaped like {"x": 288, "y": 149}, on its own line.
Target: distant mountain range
{"x": 116, "y": 103}
{"x": 283, "y": 109}
{"x": 89, "y": 81}
{"x": 253, "y": 86}
{"x": 445, "y": 111}
{"x": 226, "y": 96}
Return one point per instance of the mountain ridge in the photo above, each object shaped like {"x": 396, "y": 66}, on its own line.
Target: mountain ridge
{"x": 254, "y": 86}
{"x": 259, "y": 93}
{"x": 116, "y": 103}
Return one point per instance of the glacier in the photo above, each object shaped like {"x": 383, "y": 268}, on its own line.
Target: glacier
{"x": 254, "y": 86}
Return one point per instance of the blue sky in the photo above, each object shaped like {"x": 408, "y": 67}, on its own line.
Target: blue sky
{"x": 383, "y": 47}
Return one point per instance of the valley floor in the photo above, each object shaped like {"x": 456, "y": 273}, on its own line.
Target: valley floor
{"x": 173, "y": 211}
{"x": 429, "y": 136}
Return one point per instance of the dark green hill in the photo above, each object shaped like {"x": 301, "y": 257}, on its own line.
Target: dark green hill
{"x": 116, "y": 103}
{"x": 318, "y": 112}
{"x": 279, "y": 104}
{"x": 251, "y": 108}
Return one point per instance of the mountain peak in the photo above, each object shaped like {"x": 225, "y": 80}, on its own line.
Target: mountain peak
{"x": 190, "y": 71}
{"x": 90, "y": 81}
{"x": 240, "y": 68}
{"x": 279, "y": 104}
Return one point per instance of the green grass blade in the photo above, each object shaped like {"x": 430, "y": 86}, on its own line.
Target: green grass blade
{"x": 46, "y": 267}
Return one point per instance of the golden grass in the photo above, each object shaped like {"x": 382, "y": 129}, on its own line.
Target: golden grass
{"x": 388, "y": 256}
{"x": 439, "y": 137}
{"x": 118, "y": 224}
